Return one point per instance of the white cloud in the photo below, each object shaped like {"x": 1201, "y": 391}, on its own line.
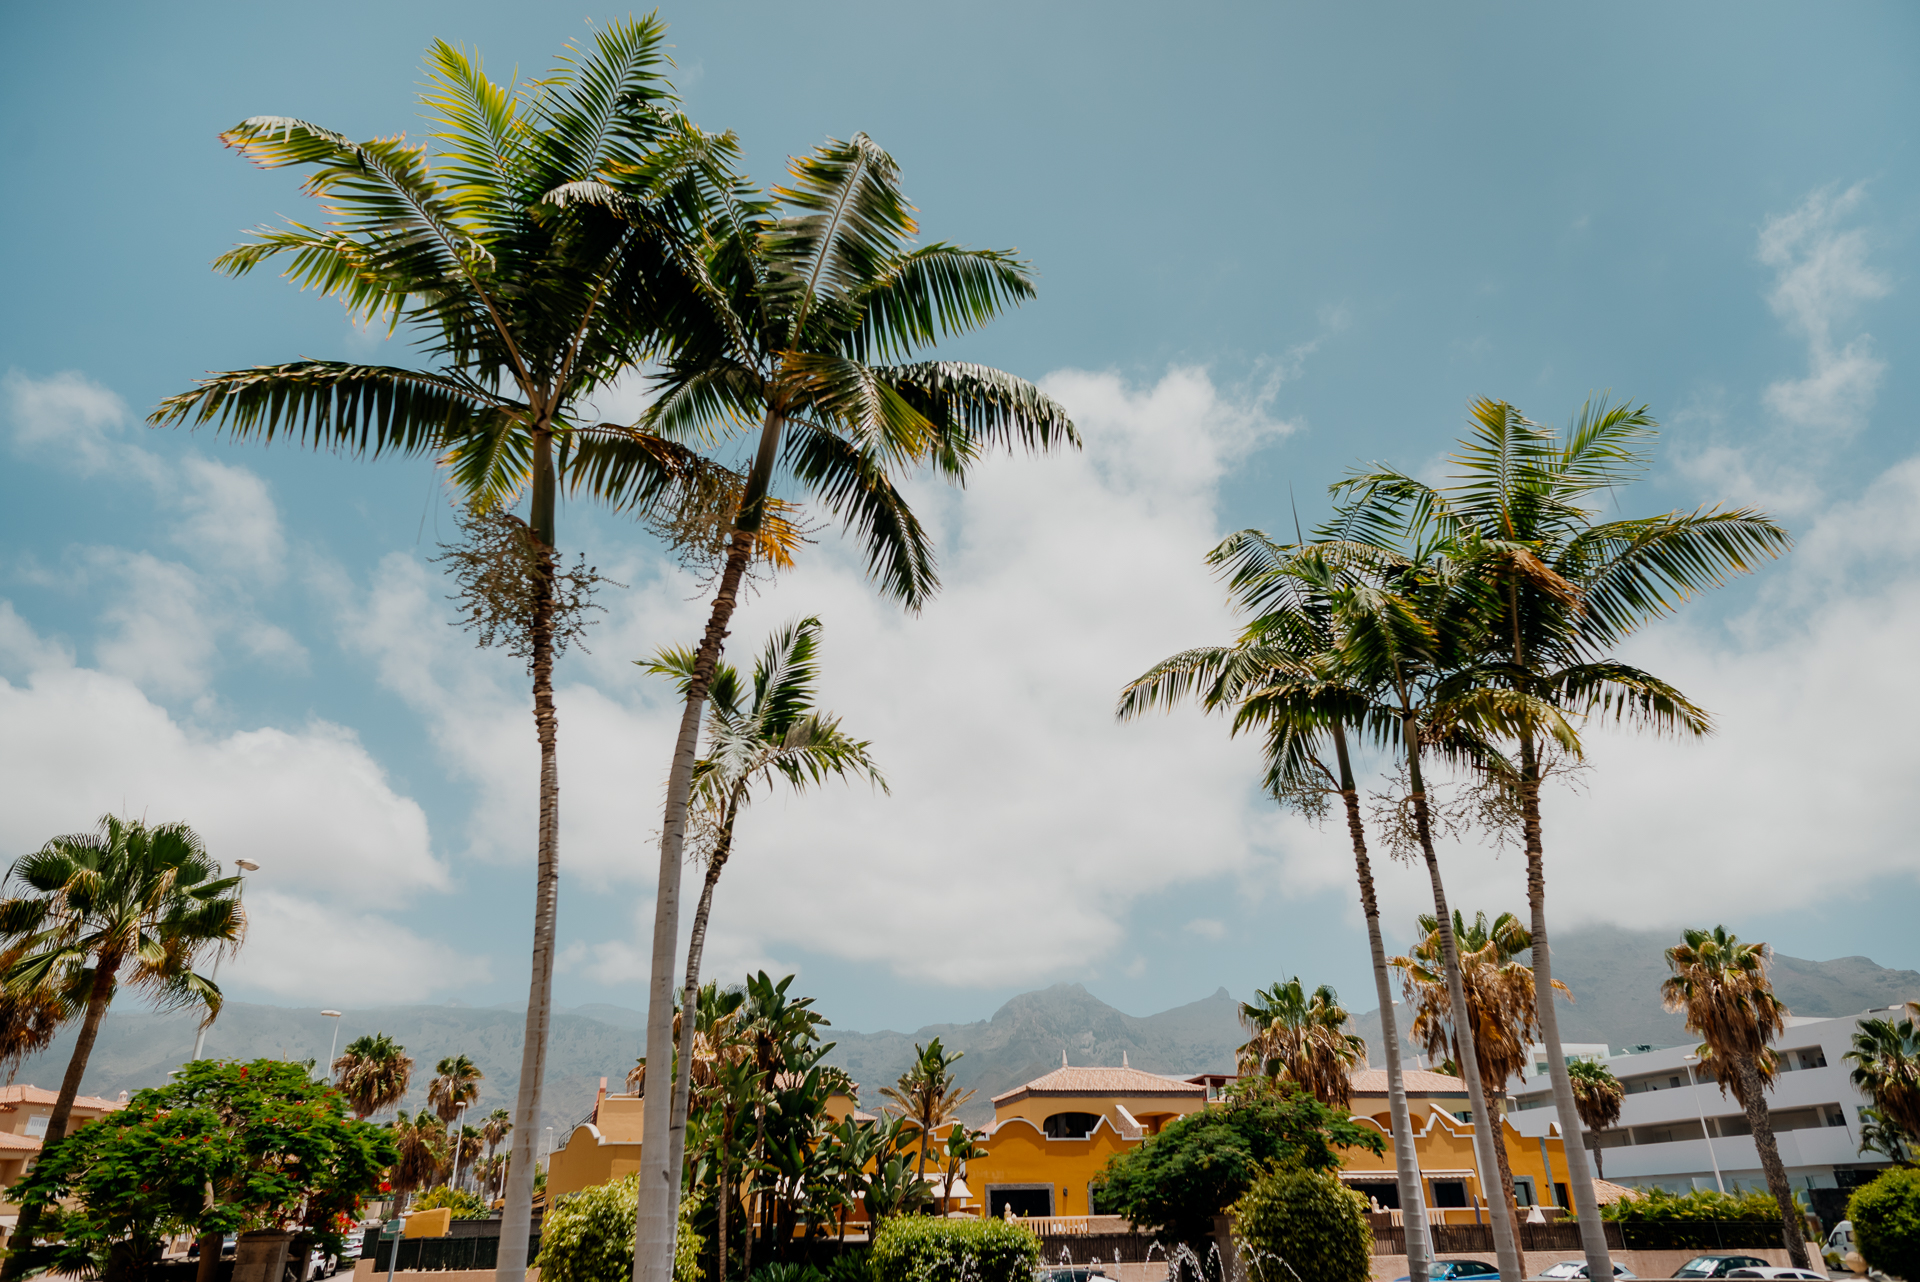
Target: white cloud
{"x": 231, "y": 520}
{"x": 1207, "y": 928}
{"x": 68, "y": 416}
{"x": 1822, "y": 276}
{"x": 311, "y": 806}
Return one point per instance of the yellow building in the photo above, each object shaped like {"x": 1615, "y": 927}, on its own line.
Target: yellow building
{"x": 24, "y": 1111}
{"x": 1050, "y": 1140}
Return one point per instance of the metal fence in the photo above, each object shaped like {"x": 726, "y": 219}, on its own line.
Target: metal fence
{"x": 1107, "y": 1248}
{"x": 1622, "y": 1235}
{"x": 437, "y": 1253}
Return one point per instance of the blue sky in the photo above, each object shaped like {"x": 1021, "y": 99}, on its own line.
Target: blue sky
{"x": 1274, "y": 241}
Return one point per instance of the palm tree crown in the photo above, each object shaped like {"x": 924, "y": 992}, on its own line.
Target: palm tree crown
{"x": 1304, "y": 1037}
{"x": 455, "y": 1086}
{"x": 1886, "y": 1069}
{"x": 373, "y": 1073}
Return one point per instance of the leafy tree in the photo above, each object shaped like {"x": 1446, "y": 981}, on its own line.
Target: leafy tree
{"x": 1886, "y": 1222}
{"x": 1886, "y": 1060}
{"x": 802, "y": 333}
{"x": 915, "y": 1249}
{"x": 373, "y": 1073}
{"x": 455, "y": 1086}
{"x": 1304, "y": 1038}
{"x": 1721, "y": 985}
{"x": 958, "y": 1147}
{"x": 1597, "y": 1093}
{"x": 1566, "y": 589}
{"x": 925, "y": 1096}
{"x": 226, "y": 1147}
{"x": 131, "y": 903}
{"x": 588, "y": 1236}
{"x": 1499, "y": 1003}
{"x": 1174, "y": 1183}
{"x": 465, "y": 1205}
{"x": 770, "y": 731}
{"x": 1303, "y": 1224}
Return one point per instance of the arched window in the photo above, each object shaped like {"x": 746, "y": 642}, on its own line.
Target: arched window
{"x": 1071, "y": 1126}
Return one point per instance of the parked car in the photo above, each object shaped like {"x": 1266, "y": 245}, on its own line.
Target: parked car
{"x": 1449, "y": 1270}
{"x": 1718, "y": 1266}
{"x": 1069, "y": 1273}
{"x": 319, "y": 1265}
{"x": 1578, "y": 1269}
{"x": 1806, "y": 1275}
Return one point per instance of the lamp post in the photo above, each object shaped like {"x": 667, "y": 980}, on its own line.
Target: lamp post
{"x": 333, "y": 1015}
{"x": 200, "y": 1039}
{"x": 1704, "y": 1130}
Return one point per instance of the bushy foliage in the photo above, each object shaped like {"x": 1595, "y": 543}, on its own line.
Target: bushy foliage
{"x": 1886, "y": 1222}
{"x": 915, "y": 1248}
{"x": 465, "y": 1205}
{"x": 1177, "y": 1181}
{"x": 1304, "y": 1224}
{"x": 588, "y": 1236}
{"x": 1657, "y": 1204}
{"x": 265, "y": 1136}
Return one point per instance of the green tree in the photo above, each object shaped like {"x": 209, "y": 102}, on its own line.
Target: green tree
{"x": 131, "y": 904}
{"x": 809, "y": 312}
{"x": 465, "y": 1205}
{"x": 1720, "y": 984}
{"x": 226, "y": 1147}
{"x": 1303, "y": 1037}
{"x": 1174, "y": 1183}
{"x": 497, "y": 1127}
{"x": 1303, "y": 1224}
{"x": 1567, "y": 589}
{"x": 1886, "y": 1222}
{"x": 1597, "y": 1093}
{"x": 1886, "y": 1069}
{"x": 588, "y": 1236}
{"x": 958, "y": 1146}
{"x": 1499, "y": 1003}
{"x": 527, "y": 305}
{"x": 926, "y": 1096}
{"x": 373, "y": 1073}
{"x": 914, "y": 1249}
{"x": 455, "y": 1086}
{"x": 420, "y": 1143}
{"x": 771, "y": 730}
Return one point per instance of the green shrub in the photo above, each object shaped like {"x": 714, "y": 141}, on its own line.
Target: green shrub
{"x": 914, "y": 1248}
{"x": 1309, "y": 1220}
{"x": 1886, "y": 1222}
{"x": 466, "y": 1206}
{"x": 1657, "y": 1204}
{"x": 588, "y": 1236}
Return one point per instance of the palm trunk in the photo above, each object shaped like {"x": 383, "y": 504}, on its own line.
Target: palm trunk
{"x": 1600, "y": 1172}
{"x": 752, "y": 1207}
{"x": 99, "y": 997}
{"x": 1753, "y": 1099}
{"x": 1413, "y": 1201}
{"x": 1586, "y": 1207}
{"x": 1505, "y": 1247}
{"x": 656, "y": 1218}
{"x": 726, "y": 1196}
{"x": 1498, "y": 1121}
{"x": 516, "y": 1217}
{"x": 689, "y": 1003}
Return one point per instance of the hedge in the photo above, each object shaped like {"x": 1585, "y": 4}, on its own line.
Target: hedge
{"x": 1886, "y": 1222}
{"x": 918, "y": 1248}
{"x": 588, "y": 1236}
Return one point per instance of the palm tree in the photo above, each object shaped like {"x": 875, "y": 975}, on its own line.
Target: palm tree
{"x": 1721, "y": 985}
{"x": 1288, "y": 674}
{"x": 30, "y": 1019}
{"x": 529, "y": 303}
{"x": 1303, "y": 1037}
{"x": 455, "y": 1086}
{"x": 1499, "y": 1004}
{"x": 925, "y": 1096}
{"x": 799, "y": 307}
{"x": 1567, "y": 591}
{"x": 756, "y": 736}
{"x": 1597, "y": 1093}
{"x": 1886, "y": 1060}
{"x": 497, "y": 1127}
{"x": 373, "y": 1073}
{"x": 130, "y": 904}
{"x": 421, "y": 1145}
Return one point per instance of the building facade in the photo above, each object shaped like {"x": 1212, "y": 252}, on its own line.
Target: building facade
{"x": 24, "y": 1111}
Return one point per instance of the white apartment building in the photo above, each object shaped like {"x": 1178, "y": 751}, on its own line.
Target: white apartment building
{"x": 1676, "y": 1128}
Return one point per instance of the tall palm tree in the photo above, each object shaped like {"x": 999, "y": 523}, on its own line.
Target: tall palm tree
{"x": 527, "y": 305}
{"x": 1567, "y": 589}
{"x": 373, "y": 1073}
{"x": 1720, "y": 984}
{"x": 130, "y": 904}
{"x": 1499, "y": 1005}
{"x": 420, "y": 1143}
{"x": 1597, "y": 1093}
{"x": 1287, "y": 674}
{"x": 1304, "y": 1037}
{"x": 497, "y": 1127}
{"x": 770, "y": 731}
{"x": 1886, "y": 1069}
{"x": 455, "y": 1086}
{"x": 809, "y": 312}
{"x": 925, "y": 1096}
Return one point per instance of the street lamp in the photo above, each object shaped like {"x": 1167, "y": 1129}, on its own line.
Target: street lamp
{"x": 1700, "y": 1105}
{"x": 200, "y": 1039}
{"x": 333, "y": 1015}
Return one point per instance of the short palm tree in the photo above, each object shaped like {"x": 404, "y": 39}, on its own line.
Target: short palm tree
{"x": 1567, "y": 589}
{"x": 1303, "y": 1037}
{"x": 420, "y": 1143}
{"x": 757, "y": 735}
{"x": 455, "y": 1086}
{"x": 130, "y": 904}
{"x": 802, "y": 337}
{"x": 1499, "y": 1002}
{"x": 926, "y": 1097}
{"x": 497, "y": 1127}
{"x": 1886, "y": 1069}
{"x": 373, "y": 1073}
{"x": 1720, "y": 984}
{"x": 1597, "y": 1093}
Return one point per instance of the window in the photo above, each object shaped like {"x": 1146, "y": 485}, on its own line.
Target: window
{"x": 1071, "y": 1126}
{"x": 1021, "y": 1199}
{"x": 1449, "y": 1192}
{"x": 1523, "y": 1190}
{"x": 1560, "y": 1196}
{"x": 37, "y": 1126}
{"x": 1836, "y": 1118}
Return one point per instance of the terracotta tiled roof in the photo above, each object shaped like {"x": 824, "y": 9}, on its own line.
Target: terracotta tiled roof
{"x": 1373, "y": 1081}
{"x": 1104, "y": 1081}
{"x": 12, "y": 1143}
{"x": 16, "y": 1095}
